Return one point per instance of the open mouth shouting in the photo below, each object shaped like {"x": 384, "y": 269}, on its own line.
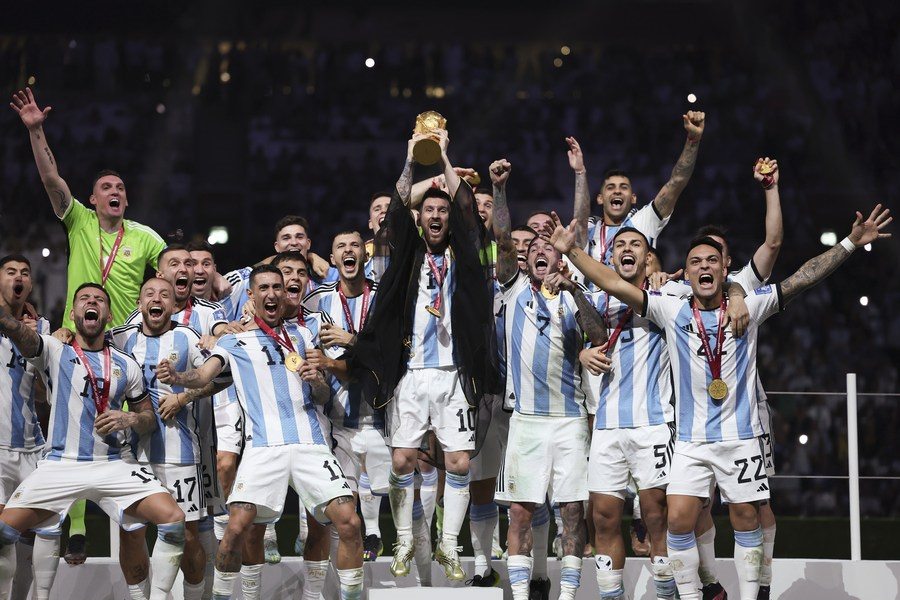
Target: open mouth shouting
{"x": 628, "y": 260}
{"x": 270, "y": 307}
{"x": 541, "y": 264}
{"x": 18, "y": 289}
{"x": 156, "y": 311}
{"x": 181, "y": 285}
{"x": 616, "y": 202}
{"x": 293, "y": 292}
{"x": 115, "y": 202}
{"x": 199, "y": 282}
{"x": 92, "y": 316}
{"x": 706, "y": 281}
{"x": 435, "y": 227}
{"x": 349, "y": 262}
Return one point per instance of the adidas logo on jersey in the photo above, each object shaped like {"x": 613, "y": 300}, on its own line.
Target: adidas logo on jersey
{"x": 193, "y": 508}
{"x": 763, "y": 487}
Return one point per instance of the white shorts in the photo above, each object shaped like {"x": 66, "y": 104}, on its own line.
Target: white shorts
{"x": 229, "y": 427}
{"x": 546, "y": 454}
{"x": 265, "y": 473}
{"x": 214, "y": 497}
{"x": 113, "y": 485}
{"x": 15, "y": 466}
{"x": 487, "y": 463}
{"x": 363, "y": 449}
{"x": 765, "y": 418}
{"x": 185, "y": 483}
{"x": 431, "y": 399}
{"x": 641, "y": 453}
{"x": 737, "y": 467}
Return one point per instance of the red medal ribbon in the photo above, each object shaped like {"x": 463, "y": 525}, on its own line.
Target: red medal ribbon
{"x": 188, "y": 309}
{"x": 300, "y": 318}
{"x": 439, "y": 275}
{"x": 105, "y": 269}
{"x": 625, "y": 319}
{"x": 348, "y": 316}
{"x": 603, "y": 241}
{"x": 284, "y": 342}
{"x": 101, "y": 397}
{"x": 714, "y": 360}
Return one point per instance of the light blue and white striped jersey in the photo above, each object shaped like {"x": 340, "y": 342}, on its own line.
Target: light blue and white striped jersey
{"x": 700, "y": 418}
{"x": 19, "y": 427}
{"x": 237, "y": 297}
{"x": 638, "y": 390}
{"x": 347, "y": 407}
{"x": 174, "y": 442}
{"x": 543, "y": 339}
{"x": 72, "y": 413}
{"x": 278, "y": 405}
{"x": 600, "y": 235}
{"x": 432, "y": 337}
{"x": 375, "y": 266}
{"x": 203, "y": 316}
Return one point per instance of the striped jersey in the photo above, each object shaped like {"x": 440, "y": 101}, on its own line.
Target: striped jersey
{"x": 374, "y": 267}
{"x": 72, "y": 435}
{"x": 278, "y": 405}
{"x": 432, "y": 337}
{"x": 347, "y": 407}
{"x": 19, "y": 427}
{"x": 174, "y": 442}
{"x": 543, "y": 339}
{"x": 637, "y": 392}
{"x": 600, "y": 235}
{"x": 237, "y": 297}
{"x": 198, "y": 314}
{"x": 700, "y": 418}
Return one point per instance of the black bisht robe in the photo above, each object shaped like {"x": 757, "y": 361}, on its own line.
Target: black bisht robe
{"x": 381, "y": 353}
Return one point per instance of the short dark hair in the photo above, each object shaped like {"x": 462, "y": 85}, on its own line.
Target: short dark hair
{"x": 484, "y": 190}
{"x": 14, "y": 258}
{"x": 91, "y": 284}
{"x": 102, "y": 174}
{"x": 628, "y": 229}
{"x": 260, "y": 269}
{"x": 377, "y": 195}
{"x": 711, "y": 229}
{"x": 201, "y": 246}
{"x": 149, "y": 279}
{"x": 289, "y": 255}
{"x": 657, "y": 253}
{"x": 538, "y": 212}
{"x": 526, "y": 229}
{"x": 434, "y": 192}
{"x": 705, "y": 240}
{"x": 170, "y": 248}
{"x": 347, "y": 232}
{"x": 291, "y": 220}
{"x": 615, "y": 173}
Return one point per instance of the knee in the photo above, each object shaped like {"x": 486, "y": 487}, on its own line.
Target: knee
{"x": 457, "y": 462}
{"x": 403, "y": 460}
{"x": 653, "y": 512}
{"x": 171, "y": 514}
{"x": 226, "y": 462}
{"x": 606, "y": 519}
{"x": 348, "y": 528}
{"x": 744, "y": 516}
{"x": 520, "y": 515}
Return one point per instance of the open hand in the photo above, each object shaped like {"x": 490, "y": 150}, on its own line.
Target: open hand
{"x": 866, "y": 232}
{"x": 27, "y": 109}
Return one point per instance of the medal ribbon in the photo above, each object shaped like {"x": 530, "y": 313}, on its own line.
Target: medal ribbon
{"x": 348, "y": 316}
{"x": 284, "y": 342}
{"x": 625, "y": 319}
{"x": 439, "y": 275}
{"x": 188, "y": 309}
{"x": 105, "y": 269}
{"x": 603, "y": 242}
{"x": 101, "y": 398}
{"x": 714, "y": 360}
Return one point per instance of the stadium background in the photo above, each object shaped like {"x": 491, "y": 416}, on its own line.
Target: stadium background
{"x": 231, "y": 115}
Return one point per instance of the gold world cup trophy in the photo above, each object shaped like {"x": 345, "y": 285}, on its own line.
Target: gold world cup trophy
{"x": 428, "y": 151}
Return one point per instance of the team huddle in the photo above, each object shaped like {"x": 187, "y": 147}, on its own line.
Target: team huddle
{"x": 453, "y": 363}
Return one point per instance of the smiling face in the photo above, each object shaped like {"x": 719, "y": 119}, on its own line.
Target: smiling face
{"x": 726, "y": 256}
{"x": 616, "y": 197}
{"x": 296, "y": 280}
{"x": 521, "y": 239}
{"x": 377, "y": 211}
{"x": 109, "y": 198}
{"x": 485, "y": 204}
{"x": 90, "y": 312}
{"x": 292, "y": 237}
{"x": 630, "y": 256}
{"x": 177, "y": 267}
{"x": 15, "y": 283}
{"x": 204, "y": 271}
{"x": 348, "y": 253}
{"x": 157, "y": 304}
{"x": 706, "y": 272}
{"x": 434, "y": 218}
{"x": 267, "y": 293}
{"x": 542, "y": 259}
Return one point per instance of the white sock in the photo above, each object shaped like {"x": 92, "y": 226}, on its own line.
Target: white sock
{"x": 369, "y": 506}
{"x": 428, "y": 493}
{"x": 271, "y": 535}
{"x": 351, "y": 583}
{"x": 569, "y": 577}
{"x": 706, "y": 547}
{"x": 303, "y": 532}
{"x": 316, "y": 572}
{"x": 223, "y": 584}
{"x": 422, "y": 541}
{"x": 609, "y": 580}
{"x": 210, "y": 546}
{"x": 401, "y": 496}
{"x": 46, "y": 563}
{"x": 21, "y": 583}
{"x": 166, "y": 559}
{"x": 540, "y": 533}
{"x": 765, "y": 573}
{"x": 193, "y": 591}
{"x": 748, "y": 557}
{"x": 482, "y": 520}
{"x": 136, "y": 591}
{"x": 663, "y": 577}
{"x": 251, "y": 581}
{"x": 8, "y": 539}
{"x": 456, "y": 503}
{"x": 685, "y": 560}
{"x": 519, "y": 569}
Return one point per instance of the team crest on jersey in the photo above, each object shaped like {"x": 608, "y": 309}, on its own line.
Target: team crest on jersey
{"x": 117, "y": 372}
{"x": 294, "y": 339}
{"x": 560, "y": 312}
{"x": 17, "y": 495}
{"x": 173, "y": 356}
{"x": 126, "y": 252}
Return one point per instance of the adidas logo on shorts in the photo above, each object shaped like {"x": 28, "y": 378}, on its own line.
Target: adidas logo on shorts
{"x": 193, "y": 508}
{"x": 763, "y": 488}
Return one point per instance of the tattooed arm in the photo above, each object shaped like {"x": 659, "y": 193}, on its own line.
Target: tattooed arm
{"x": 507, "y": 262}
{"x": 26, "y": 340}
{"x": 33, "y": 118}
{"x": 588, "y": 318}
{"x": 404, "y": 183}
{"x": 195, "y": 378}
{"x": 139, "y": 417}
{"x": 582, "y": 198}
{"x": 171, "y": 404}
{"x": 820, "y": 267}
{"x": 694, "y": 122}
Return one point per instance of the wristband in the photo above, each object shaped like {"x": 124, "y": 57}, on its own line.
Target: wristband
{"x": 768, "y": 182}
{"x": 848, "y": 245}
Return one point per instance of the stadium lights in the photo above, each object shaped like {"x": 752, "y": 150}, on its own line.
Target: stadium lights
{"x": 31, "y": 80}
{"x": 565, "y": 50}
{"x": 45, "y": 252}
{"x": 217, "y": 235}
{"x": 864, "y": 300}
{"x": 692, "y": 98}
{"x": 557, "y": 62}
{"x": 225, "y": 77}
{"x": 803, "y": 439}
{"x": 828, "y": 238}
{"x": 370, "y": 62}
{"x": 160, "y": 108}
{"x": 868, "y": 247}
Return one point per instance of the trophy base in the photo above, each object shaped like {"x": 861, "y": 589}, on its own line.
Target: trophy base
{"x": 426, "y": 152}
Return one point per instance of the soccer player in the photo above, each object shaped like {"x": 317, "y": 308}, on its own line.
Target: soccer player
{"x": 286, "y": 443}
{"x": 172, "y": 449}
{"x": 716, "y": 391}
{"x": 88, "y": 383}
{"x": 547, "y": 318}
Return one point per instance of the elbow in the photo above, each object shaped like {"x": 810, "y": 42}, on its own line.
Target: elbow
{"x": 774, "y": 244}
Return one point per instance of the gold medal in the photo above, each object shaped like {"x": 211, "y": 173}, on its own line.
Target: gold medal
{"x": 293, "y": 361}
{"x": 767, "y": 167}
{"x": 717, "y": 389}
{"x": 436, "y": 313}
{"x": 549, "y": 295}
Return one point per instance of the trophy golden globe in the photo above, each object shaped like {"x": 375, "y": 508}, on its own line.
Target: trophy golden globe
{"x": 428, "y": 151}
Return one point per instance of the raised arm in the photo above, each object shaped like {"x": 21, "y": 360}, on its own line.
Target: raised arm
{"x": 195, "y": 378}
{"x": 405, "y": 182}
{"x": 694, "y": 122}
{"x": 507, "y": 262}
{"x": 33, "y": 118}
{"x": 582, "y": 198}
{"x": 450, "y": 175}
{"x": 26, "y": 339}
{"x": 588, "y": 318}
{"x": 820, "y": 267}
{"x": 765, "y": 256}
{"x": 563, "y": 239}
